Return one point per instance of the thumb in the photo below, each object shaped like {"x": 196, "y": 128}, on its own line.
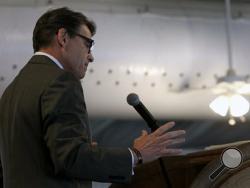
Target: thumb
{"x": 144, "y": 133}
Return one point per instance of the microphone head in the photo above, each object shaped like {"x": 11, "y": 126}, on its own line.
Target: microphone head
{"x": 133, "y": 99}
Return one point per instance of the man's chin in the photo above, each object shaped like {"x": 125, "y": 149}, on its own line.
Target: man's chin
{"x": 82, "y": 75}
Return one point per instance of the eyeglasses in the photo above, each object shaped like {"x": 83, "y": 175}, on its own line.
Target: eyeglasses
{"x": 88, "y": 42}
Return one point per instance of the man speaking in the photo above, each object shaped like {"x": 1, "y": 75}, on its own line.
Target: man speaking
{"x": 45, "y": 138}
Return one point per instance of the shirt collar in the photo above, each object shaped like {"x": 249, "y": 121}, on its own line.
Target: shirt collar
{"x": 51, "y": 57}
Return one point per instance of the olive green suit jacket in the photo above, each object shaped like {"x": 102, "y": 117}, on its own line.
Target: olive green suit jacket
{"x": 45, "y": 137}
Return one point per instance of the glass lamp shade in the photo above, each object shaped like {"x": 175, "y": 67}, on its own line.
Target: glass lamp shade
{"x": 237, "y": 105}
{"x": 220, "y": 105}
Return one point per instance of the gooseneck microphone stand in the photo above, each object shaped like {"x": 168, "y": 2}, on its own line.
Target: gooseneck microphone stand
{"x": 164, "y": 171}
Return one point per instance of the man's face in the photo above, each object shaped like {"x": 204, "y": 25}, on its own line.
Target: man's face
{"x": 78, "y": 54}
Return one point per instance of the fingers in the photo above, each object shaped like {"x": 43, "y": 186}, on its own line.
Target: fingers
{"x": 171, "y": 135}
{"x": 161, "y": 130}
{"x": 172, "y": 142}
{"x": 158, "y": 144}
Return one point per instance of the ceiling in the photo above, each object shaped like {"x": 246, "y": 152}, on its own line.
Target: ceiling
{"x": 190, "y": 8}
{"x": 167, "y": 56}
{"x": 171, "y": 68}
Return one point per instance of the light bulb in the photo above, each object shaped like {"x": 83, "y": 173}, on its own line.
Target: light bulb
{"x": 243, "y": 119}
{"x": 220, "y": 105}
{"x": 239, "y": 106}
{"x": 231, "y": 121}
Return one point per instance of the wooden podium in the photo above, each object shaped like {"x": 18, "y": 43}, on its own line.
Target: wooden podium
{"x": 182, "y": 170}
{"x": 193, "y": 170}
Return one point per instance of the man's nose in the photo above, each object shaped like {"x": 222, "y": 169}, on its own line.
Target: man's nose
{"x": 90, "y": 57}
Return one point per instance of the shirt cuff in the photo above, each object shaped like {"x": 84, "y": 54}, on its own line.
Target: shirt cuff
{"x": 133, "y": 159}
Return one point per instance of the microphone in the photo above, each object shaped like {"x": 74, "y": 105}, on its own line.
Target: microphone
{"x": 134, "y": 101}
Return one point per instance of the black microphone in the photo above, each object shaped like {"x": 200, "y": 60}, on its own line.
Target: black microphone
{"x": 134, "y": 101}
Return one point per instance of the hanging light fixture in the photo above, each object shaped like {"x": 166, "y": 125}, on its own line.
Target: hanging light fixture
{"x": 236, "y": 104}
{"x": 230, "y": 87}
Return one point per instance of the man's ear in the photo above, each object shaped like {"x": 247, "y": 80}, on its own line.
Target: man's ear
{"x": 62, "y": 37}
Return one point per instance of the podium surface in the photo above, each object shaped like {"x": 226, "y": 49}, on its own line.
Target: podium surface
{"x": 182, "y": 170}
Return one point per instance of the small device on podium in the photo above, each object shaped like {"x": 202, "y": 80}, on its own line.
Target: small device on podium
{"x": 231, "y": 158}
